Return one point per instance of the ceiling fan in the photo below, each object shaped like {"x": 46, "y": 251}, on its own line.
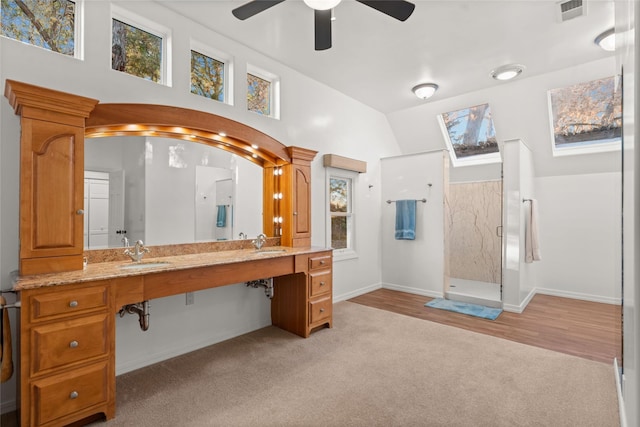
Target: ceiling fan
{"x": 398, "y": 9}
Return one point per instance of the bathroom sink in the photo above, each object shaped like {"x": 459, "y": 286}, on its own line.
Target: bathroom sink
{"x": 143, "y": 265}
{"x": 270, "y": 250}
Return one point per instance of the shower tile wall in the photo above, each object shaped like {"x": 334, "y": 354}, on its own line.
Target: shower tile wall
{"x": 473, "y": 213}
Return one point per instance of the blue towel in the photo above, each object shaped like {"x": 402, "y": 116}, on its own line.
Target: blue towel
{"x": 221, "y": 220}
{"x": 405, "y": 220}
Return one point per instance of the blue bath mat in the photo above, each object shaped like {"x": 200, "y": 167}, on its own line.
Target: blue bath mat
{"x": 465, "y": 308}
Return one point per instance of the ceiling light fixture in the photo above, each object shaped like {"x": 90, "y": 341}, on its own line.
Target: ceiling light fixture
{"x": 607, "y": 40}
{"x": 322, "y": 4}
{"x": 425, "y": 90}
{"x": 507, "y": 72}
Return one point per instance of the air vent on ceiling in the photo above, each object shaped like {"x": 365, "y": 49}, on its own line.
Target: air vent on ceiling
{"x": 571, "y": 9}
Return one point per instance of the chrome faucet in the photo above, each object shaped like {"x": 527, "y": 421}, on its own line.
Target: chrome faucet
{"x": 138, "y": 251}
{"x": 260, "y": 240}
{"x": 242, "y": 236}
{"x": 125, "y": 242}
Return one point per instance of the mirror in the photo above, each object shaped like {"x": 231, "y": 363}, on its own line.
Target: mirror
{"x": 167, "y": 191}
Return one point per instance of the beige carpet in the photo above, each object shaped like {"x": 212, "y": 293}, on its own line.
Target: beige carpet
{"x": 374, "y": 368}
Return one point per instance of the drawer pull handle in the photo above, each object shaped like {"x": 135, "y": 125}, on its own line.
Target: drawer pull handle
{"x": 321, "y": 283}
{"x": 322, "y": 310}
{"x": 73, "y": 395}
{"x": 73, "y": 344}
{"x": 73, "y": 304}
{"x": 322, "y": 262}
{"x": 80, "y": 212}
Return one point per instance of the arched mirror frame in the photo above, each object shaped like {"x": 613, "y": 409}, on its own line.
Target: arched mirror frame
{"x": 53, "y": 127}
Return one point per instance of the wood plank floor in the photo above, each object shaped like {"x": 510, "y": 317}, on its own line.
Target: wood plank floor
{"x": 580, "y": 328}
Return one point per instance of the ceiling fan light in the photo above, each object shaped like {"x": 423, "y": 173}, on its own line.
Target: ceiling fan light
{"x": 425, "y": 90}
{"x": 507, "y": 72}
{"x": 607, "y": 40}
{"x": 322, "y": 4}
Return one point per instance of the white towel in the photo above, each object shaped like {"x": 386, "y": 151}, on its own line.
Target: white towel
{"x": 531, "y": 242}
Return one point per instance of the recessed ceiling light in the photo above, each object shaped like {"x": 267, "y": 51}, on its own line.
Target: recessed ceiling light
{"x": 425, "y": 90}
{"x": 254, "y": 146}
{"x": 507, "y": 72}
{"x": 222, "y": 134}
{"x": 607, "y": 40}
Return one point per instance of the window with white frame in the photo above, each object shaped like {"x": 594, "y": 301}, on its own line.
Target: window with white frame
{"x": 341, "y": 212}
{"x": 211, "y": 73}
{"x": 586, "y": 117}
{"x": 140, "y": 47}
{"x": 470, "y": 136}
{"x": 263, "y": 92}
{"x": 50, "y": 24}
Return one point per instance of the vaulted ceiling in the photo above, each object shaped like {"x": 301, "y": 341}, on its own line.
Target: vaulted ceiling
{"x": 377, "y": 60}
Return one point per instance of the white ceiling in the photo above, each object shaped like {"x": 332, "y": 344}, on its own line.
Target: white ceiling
{"x": 377, "y": 59}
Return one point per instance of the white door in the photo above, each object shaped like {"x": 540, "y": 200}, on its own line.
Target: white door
{"x": 98, "y": 213}
{"x": 117, "y": 228}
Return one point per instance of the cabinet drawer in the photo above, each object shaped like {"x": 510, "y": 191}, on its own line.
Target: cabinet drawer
{"x": 317, "y": 262}
{"x": 321, "y": 283}
{"x": 69, "y": 301}
{"x": 320, "y": 309}
{"x": 64, "y": 394}
{"x": 61, "y": 343}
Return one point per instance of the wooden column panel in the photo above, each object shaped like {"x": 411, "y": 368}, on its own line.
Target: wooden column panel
{"x": 51, "y": 176}
{"x": 296, "y": 198}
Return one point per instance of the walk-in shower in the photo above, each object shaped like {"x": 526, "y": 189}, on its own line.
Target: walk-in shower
{"x": 474, "y": 221}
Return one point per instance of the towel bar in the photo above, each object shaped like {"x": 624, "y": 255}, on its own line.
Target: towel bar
{"x": 417, "y": 200}
{"x": 15, "y": 305}
{"x": 526, "y": 200}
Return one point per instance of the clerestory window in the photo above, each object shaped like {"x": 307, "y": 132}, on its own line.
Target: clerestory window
{"x": 50, "y": 24}
{"x": 139, "y": 47}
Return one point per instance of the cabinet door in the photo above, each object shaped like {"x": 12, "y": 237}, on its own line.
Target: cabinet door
{"x": 51, "y": 184}
{"x": 301, "y": 202}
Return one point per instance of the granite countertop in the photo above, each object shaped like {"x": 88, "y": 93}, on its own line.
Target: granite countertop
{"x": 114, "y": 269}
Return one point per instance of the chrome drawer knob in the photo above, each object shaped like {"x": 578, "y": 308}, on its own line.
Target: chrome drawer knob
{"x": 73, "y": 304}
{"x": 322, "y": 262}
{"x": 73, "y": 344}
{"x": 73, "y": 395}
{"x": 322, "y": 310}
{"x": 80, "y": 212}
{"x": 321, "y": 283}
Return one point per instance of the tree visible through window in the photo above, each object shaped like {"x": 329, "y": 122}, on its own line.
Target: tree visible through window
{"x": 258, "y": 95}
{"x": 136, "y": 52}
{"x": 587, "y": 113}
{"x": 340, "y": 210}
{"x": 49, "y": 24}
{"x": 207, "y": 76}
{"x": 470, "y": 136}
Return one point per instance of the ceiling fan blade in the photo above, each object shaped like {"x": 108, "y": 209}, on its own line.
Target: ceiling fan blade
{"x": 399, "y": 9}
{"x": 254, "y": 7}
{"x": 322, "y": 25}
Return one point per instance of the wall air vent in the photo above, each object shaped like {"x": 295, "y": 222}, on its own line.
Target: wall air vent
{"x": 571, "y": 9}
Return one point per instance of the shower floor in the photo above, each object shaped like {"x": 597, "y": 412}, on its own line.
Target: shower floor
{"x": 475, "y": 292}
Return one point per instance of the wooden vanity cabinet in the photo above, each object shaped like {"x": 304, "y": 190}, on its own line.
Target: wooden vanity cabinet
{"x": 303, "y": 301}
{"x": 67, "y": 354}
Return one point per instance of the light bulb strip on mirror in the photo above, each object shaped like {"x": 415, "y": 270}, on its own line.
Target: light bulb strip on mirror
{"x": 250, "y": 152}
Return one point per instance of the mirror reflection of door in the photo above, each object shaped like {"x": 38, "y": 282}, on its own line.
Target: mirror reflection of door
{"x": 96, "y": 207}
{"x": 117, "y": 230}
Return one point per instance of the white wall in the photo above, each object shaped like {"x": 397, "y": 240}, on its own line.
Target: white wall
{"x": 415, "y": 266}
{"x": 518, "y": 280}
{"x": 580, "y": 241}
{"x": 313, "y": 116}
